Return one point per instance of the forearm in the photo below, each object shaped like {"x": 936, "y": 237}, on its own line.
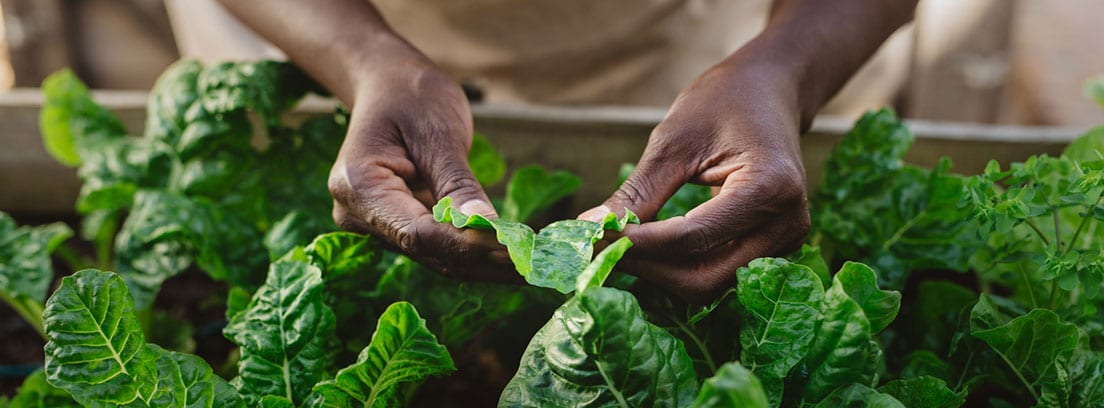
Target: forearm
{"x": 823, "y": 43}
{"x": 338, "y": 42}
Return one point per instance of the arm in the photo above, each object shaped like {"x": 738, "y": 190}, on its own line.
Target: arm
{"x": 409, "y": 133}
{"x": 737, "y": 128}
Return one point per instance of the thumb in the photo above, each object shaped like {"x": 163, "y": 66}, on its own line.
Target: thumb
{"x": 451, "y": 176}
{"x": 644, "y": 191}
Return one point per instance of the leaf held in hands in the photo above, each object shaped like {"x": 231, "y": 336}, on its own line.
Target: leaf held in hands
{"x": 599, "y": 269}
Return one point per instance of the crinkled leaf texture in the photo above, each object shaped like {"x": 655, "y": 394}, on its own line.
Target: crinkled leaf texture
{"x": 25, "y": 268}
{"x": 1036, "y": 347}
{"x": 599, "y": 351}
{"x": 97, "y": 352}
{"x": 285, "y": 334}
{"x": 844, "y": 350}
{"x": 859, "y": 396}
{"x": 551, "y": 258}
{"x": 402, "y": 353}
{"x": 732, "y": 386}
{"x": 923, "y": 392}
{"x": 781, "y": 302}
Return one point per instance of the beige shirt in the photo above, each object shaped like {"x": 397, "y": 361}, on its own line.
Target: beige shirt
{"x": 621, "y": 52}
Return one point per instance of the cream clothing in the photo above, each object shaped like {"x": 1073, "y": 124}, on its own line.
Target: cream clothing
{"x": 613, "y": 52}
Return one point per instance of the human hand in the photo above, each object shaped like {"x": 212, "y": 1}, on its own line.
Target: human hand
{"x": 734, "y": 128}
{"x": 409, "y": 134}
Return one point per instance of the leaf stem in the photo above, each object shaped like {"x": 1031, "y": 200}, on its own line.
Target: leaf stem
{"x": 28, "y": 309}
{"x": 902, "y": 230}
{"x": 1027, "y": 284}
{"x": 1054, "y": 295}
{"x": 699, "y": 344}
{"x": 1057, "y": 229}
{"x": 72, "y": 260}
{"x": 1085, "y": 221}
{"x": 1037, "y": 231}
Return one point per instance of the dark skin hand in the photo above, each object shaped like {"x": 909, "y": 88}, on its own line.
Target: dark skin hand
{"x": 735, "y": 128}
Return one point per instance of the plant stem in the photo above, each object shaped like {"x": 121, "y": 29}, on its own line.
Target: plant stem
{"x": 1057, "y": 229}
{"x": 29, "y": 310}
{"x": 1027, "y": 284}
{"x": 699, "y": 343}
{"x": 1054, "y": 295}
{"x": 72, "y": 260}
{"x": 1085, "y": 221}
{"x": 1038, "y": 231}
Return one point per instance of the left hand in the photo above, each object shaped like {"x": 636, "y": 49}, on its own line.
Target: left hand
{"x": 735, "y": 128}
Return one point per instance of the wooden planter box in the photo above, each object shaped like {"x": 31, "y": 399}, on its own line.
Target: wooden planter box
{"x": 591, "y": 142}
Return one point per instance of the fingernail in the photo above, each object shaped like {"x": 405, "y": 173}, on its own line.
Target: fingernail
{"x": 477, "y": 207}
{"x": 595, "y": 214}
{"x": 499, "y": 256}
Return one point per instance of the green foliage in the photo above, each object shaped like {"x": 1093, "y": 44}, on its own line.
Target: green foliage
{"x": 551, "y": 258}
{"x": 923, "y": 392}
{"x": 403, "y": 352}
{"x": 487, "y": 165}
{"x": 532, "y": 190}
{"x": 286, "y": 335}
{"x": 98, "y": 354}
{"x": 598, "y": 350}
{"x": 733, "y": 386}
{"x": 36, "y": 392}
{"x": 25, "y": 267}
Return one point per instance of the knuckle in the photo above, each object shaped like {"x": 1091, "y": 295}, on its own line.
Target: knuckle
{"x": 634, "y": 190}
{"x": 408, "y": 238}
{"x": 456, "y": 182}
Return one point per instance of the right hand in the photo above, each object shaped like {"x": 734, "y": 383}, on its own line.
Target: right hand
{"x": 409, "y": 134}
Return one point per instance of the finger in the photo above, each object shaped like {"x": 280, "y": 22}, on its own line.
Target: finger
{"x": 653, "y": 181}
{"x": 438, "y": 146}
{"x": 701, "y": 279}
{"x": 374, "y": 199}
{"x": 747, "y": 200}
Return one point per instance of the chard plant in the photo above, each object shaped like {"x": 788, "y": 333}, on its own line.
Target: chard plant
{"x": 918, "y": 287}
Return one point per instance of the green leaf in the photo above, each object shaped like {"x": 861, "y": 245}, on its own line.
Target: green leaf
{"x": 70, "y": 118}
{"x": 157, "y": 242}
{"x": 551, "y": 258}
{"x": 265, "y": 87}
{"x": 275, "y": 401}
{"x": 859, "y": 396}
{"x": 1036, "y": 348}
{"x": 531, "y": 190}
{"x": 811, "y": 257}
{"x": 37, "y": 393}
{"x": 285, "y": 334}
{"x": 732, "y": 386}
{"x": 403, "y": 352}
{"x": 1094, "y": 89}
{"x": 599, "y": 269}
{"x": 170, "y": 99}
{"x": 487, "y": 165}
{"x": 781, "y": 302}
{"x": 340, "y": 254}
{"x": 598, "y": 350}
{"x": 1087, "y": 376}
{"x": 843, "y": 350}
{"x": 1088, "y": 147}
{"x": 861, "y": 284}
{"x": 25, "y": 267}
{"x": 97, "y": 352}
{"x": 95, "y": 347}
{"x": 923, "y": 392}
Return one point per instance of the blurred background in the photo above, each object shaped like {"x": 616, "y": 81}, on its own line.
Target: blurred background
{"x": 985, "y": 61}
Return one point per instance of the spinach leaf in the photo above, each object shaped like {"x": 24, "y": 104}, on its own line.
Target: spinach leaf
{"x": 487, "y": 165}
{"x": 25, "y": 267}
{"x": 285, "y": 335}
{"x": 97, "y": 352}
{"x": 923, "y": 392}
{"x": 598, "y": 350}
{"x": 732, "y": 386}
{"x": 531, "y": 190}
{"x": 551, "y": 258}
{"x": 403, "y": 352}
{"x": 781, "y": 302}
{"x": 1036, "y": 347}
{"x": 71, "y": 120}
{"x": 859, "y": 396}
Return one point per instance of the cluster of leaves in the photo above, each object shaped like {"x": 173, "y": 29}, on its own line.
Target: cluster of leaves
{"x": 948, "y": 290}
